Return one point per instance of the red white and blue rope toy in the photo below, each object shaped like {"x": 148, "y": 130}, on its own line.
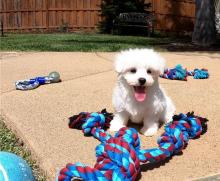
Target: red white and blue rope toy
{"x": 119, "y": 157}
{"x": 29, "y": 84}
{"x": 179, "y": 73}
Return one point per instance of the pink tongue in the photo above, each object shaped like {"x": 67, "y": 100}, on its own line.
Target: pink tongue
{"x": 140, "y": 93}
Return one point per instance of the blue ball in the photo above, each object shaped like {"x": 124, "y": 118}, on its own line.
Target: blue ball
{"x": 14, "y": 168}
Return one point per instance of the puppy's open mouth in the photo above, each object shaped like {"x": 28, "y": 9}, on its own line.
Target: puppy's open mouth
{"x": 140, "y": 93}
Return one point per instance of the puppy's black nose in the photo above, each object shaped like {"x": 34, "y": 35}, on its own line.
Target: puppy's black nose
{"x": 142, "y": 81}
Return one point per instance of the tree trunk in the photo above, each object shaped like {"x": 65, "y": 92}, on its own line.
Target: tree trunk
{"x": 204, "y": 29}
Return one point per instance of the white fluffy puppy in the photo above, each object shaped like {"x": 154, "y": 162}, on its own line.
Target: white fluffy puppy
{"x": 138, "y": 96}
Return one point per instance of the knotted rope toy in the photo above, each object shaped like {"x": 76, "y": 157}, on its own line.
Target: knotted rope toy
{"x": 119, "y": 157}
{"x": 179, "y": 73}
{"x": 29, "y": 84}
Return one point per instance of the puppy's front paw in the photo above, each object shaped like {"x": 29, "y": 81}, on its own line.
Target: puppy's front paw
{"x": 149, "y": 131}
{"x": 120, "y": 120}
{"x": 168, "y": 119}
{"x": 115, "y": 127}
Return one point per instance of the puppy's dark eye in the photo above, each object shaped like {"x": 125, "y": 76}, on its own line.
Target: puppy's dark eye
{"x": 133, "y": 70}
{"x": 149, "y": 71}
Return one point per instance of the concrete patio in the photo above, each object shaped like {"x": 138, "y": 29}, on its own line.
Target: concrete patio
{"x": 40, "y": 116}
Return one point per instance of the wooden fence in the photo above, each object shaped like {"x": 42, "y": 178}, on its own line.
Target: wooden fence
{"x": 174, "y": 15}
{"x": 72, "y": 15}
{"x": 48, "y": 15}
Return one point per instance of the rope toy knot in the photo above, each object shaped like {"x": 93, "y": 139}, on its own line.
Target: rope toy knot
{"x": 130, "y": 135}
{"x": 86, "y": 121}
{"x": 119, "y": 157}
{"x": 95, "y": 120}
{"x": 179, "y": 73}
{"x": 189, "y": 123}
{"x": 180, "y": 130}
{"x": 200, "y": 74}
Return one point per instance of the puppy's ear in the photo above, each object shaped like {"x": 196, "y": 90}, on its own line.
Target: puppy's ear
{"x": 118, "y": 64}
{"x": 161, "y": 65}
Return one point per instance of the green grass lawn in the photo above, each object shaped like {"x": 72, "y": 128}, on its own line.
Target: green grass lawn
{"x": 9, "y": 143}
{"x": 77, "y": 42}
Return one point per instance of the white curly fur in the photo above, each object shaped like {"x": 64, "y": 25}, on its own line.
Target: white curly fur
{"x": 156, "y": 107}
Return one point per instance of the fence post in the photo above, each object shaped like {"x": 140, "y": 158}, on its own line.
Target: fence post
{"x": 47, "y": 15}
{"x": 2, "y": 28}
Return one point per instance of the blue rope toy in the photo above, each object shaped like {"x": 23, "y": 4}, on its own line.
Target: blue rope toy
{"x": 29, "y": 84}
{"x": 179, "y": 73}
{"x": 119, "y": 157}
